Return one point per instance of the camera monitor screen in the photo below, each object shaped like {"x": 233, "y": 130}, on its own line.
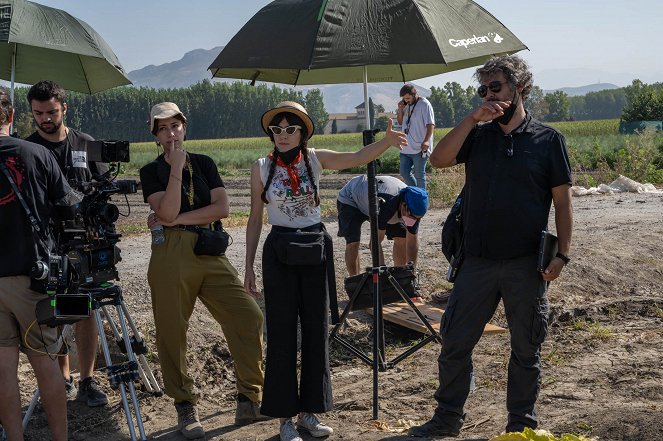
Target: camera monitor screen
{"x": 72, "y": 305}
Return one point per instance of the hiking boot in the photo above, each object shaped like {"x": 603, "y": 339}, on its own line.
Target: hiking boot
{"x": 70, "y": 389}
{"x": 434, "y": 427}
{"x": 289, "y": 432}
{"x": 248, "y": 411}
{"x": 188, "y": 422}
{"x": 89, "y": 392}
{"x": 312, "y": 424}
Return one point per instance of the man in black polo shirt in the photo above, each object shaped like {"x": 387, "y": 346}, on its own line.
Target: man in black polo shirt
{"x": 515, "y": 167}
{"x": 68, "y": 146}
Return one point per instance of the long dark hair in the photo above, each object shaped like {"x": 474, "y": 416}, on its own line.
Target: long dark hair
{"x": 293, "y": 120}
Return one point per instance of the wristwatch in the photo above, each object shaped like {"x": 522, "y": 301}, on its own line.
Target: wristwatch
{"x": 565, "y": 259}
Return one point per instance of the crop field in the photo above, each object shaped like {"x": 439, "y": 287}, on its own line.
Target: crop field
{"x": 597, "y": 151}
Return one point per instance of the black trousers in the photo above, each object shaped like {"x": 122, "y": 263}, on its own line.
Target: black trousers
{"x": 292, "y": 293}
{"x": 477, "y": 291}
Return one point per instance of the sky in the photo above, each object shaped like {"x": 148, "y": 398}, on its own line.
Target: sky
{"x": 571, "y": 43}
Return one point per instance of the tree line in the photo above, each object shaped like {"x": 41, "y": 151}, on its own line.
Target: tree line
{"x": 213, "y": 110}
{"x": 233, "y": 110}
{"x": 639, "y": 101}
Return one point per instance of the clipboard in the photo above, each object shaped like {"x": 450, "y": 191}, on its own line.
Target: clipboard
{"x": 547, "y": 250}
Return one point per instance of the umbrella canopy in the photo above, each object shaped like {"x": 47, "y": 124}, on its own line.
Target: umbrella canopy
{"x": 338, "y": 41}
{"x": 38, "y": 42}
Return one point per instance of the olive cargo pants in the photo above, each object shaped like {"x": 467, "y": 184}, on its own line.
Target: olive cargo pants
{"x": 177, "y": 278}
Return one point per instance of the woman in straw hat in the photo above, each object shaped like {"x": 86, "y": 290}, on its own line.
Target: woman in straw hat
{"x": 297, "y": 264}
{"x": 186, "y": 193}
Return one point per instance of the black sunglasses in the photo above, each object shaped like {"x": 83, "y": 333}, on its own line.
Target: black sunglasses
{"x": 494, "y": 86}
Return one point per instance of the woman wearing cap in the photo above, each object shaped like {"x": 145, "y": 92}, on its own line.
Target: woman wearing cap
{"x": 297, "y": 270}
{"x": 185, "y": 190}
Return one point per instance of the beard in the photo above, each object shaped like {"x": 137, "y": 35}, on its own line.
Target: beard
{"x": 50, "y": 127}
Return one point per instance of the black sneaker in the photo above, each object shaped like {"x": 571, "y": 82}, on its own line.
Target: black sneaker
{"x": 70, "y": 389}
{"x": 434, "y": 427}
{"x": 89, "y": 392}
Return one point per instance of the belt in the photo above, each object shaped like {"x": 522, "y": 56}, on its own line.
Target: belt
{"x": 192, "y": 228}
{"x": 315, "y": 228}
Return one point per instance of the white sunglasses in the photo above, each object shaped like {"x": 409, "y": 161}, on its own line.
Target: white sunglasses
{"x": 290, "y": 130}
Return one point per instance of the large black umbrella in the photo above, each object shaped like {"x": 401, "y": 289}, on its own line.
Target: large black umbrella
{"x": 39, "y": 42}
{"x": 331, "y": 41}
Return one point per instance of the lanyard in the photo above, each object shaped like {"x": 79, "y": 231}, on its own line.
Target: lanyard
{"x": 409, "y": 114}
{"x": 190, "y": 189}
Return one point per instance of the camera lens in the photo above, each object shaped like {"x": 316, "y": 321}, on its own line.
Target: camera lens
{"x": 39, "y": 270}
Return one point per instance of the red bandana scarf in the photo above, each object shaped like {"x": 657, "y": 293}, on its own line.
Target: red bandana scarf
{"x": 295, "y": 180}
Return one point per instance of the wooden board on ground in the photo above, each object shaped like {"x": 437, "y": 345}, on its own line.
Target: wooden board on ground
{"x": 401, "y": 314}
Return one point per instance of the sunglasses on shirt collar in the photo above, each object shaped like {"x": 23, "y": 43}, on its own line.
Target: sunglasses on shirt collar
{"x": 493, "y": 86}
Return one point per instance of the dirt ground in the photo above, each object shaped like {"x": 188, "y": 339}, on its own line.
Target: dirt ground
{"x": 602, "y": 369}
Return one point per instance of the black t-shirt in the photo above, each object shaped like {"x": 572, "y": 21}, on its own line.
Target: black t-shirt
{"x": 509, "y": 181}
{"x": 71, "y": 155}
{"x": 154, "y": 178}
{"x": 42, "y": 185}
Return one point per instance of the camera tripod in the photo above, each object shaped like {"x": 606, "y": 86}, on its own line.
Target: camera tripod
{"x": 122, "y": 375}
{"x": 374, "y": 275}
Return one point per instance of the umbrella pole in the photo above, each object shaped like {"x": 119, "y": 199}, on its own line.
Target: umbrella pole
{"x": 11, "y": 91}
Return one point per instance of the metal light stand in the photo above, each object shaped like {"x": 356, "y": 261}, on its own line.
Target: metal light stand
{"x": 378, "y": 362}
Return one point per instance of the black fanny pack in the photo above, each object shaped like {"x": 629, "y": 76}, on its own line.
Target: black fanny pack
{"x": 300, "y": 247}
{"x": 211, "y": 242}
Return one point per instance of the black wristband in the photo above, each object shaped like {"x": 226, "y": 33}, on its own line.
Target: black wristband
{"x": 565, "y": 259}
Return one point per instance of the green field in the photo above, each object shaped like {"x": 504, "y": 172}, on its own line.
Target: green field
{"x": 598, "y": 153}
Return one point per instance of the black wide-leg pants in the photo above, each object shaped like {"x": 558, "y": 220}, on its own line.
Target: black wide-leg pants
{"x": 292, "y": 293}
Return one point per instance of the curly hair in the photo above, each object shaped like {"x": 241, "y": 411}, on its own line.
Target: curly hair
{"x": 292, "y": 119}
{"x": 515, "y": 70}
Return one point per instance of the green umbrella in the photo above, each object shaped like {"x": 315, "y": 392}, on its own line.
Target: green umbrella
{"x": 38, "y": 42}
{"x": 338, "y": 41}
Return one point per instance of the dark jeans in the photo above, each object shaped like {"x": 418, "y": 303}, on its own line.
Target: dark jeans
{"x": 480, "y": 285}
{"x": 293, "y": 292}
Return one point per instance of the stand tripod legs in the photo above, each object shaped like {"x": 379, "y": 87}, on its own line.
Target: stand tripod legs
{"x": 123, "y": 374}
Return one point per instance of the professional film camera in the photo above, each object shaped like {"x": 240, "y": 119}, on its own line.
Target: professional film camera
{"x": 86, "y": 252}
{"x": 78, "y": 277}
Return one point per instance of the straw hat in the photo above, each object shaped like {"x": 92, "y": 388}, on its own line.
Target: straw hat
{"x": 290, "y": 107}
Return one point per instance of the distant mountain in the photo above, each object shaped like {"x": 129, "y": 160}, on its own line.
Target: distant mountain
{"x": 584, "y": 90}
{"x": 338, "y": 98}
{"x": 190, "y": 69}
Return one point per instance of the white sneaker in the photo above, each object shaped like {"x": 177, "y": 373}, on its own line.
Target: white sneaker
{"x": 312, "y": 424}
{"x": 289, "y": 432}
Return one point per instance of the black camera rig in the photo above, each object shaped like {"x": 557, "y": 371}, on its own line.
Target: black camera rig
{"x": 85, "y": 252}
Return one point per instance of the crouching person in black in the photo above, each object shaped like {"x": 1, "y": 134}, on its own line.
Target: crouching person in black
{"x": 41, "y": 186}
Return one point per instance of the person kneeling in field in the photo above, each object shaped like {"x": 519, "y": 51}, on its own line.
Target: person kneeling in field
{"x": 401, "y": 210}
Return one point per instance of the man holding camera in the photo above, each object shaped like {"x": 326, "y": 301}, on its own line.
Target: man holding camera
{"x": 401, "y": 209}
{"x": 415, "y": 115}
{"x": 68, "y": 146}
{"x": 515, "y": 167}
{"x": 30, "y": 182}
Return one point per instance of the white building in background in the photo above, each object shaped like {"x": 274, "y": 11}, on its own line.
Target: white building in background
{"x": 352, "y": 122}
